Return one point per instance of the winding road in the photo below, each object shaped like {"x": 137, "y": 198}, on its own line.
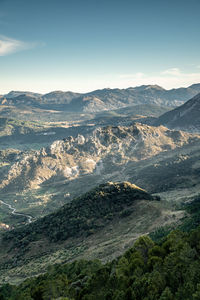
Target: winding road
{"x": 13, "y": 212}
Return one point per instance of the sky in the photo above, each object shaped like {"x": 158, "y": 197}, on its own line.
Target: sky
{"x": 83, "y": 45}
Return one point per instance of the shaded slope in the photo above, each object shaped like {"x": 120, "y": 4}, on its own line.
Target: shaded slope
{"x": 87, "y": 216}
{"x": 83, "y": 215}
{"x": 185, "y": 117}
{"x": 100, "y": 224}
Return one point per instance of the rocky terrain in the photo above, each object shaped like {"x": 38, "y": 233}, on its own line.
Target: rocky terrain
{"x": 75, "y": 157}
{"x": 155, "y": 158}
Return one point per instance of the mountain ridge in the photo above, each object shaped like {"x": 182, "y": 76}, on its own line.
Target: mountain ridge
{"x": 82, "y": 217}
{"x": 185, "y": 117}
{"x": 100, "y": 100}
{"x": 101, "y": 223}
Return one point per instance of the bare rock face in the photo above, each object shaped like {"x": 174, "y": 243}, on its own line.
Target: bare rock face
{"x": 94, "y": 154}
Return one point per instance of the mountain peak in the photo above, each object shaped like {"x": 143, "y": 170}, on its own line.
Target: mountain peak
{"x": 155, "y": 86}
{"x": 119, "y": 186}
{"x": 14, "y": 94}
{"x": 149, "y": 87}
{"x": 195, "y": 86}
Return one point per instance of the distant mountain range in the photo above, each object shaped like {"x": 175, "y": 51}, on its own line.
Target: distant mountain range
{"x": 101, "y": 100}
{"x": 185, "y": 117}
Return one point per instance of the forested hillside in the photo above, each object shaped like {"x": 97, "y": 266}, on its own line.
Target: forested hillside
{"x": 169, "y": 269}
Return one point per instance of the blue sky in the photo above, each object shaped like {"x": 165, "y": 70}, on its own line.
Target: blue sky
{"x": 83, "y": 45}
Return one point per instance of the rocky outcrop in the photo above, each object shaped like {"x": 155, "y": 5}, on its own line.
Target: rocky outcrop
{"x": 95, "y": 154}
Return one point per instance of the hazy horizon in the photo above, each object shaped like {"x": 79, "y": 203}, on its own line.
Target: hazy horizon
{"x": 89, "y": 91}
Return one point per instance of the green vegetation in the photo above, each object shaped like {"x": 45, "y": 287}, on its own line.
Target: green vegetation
{"x": 193, "y": 209}
{"x": 14, "y": 126}
{"x": 29, "y": 135}
{"x": 147, "y": 271}
{"x": 81, "y": 217}
{"x": 189, "y": 222}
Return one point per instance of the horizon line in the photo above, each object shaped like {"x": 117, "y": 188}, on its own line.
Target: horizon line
{"x": 90, "y": 91}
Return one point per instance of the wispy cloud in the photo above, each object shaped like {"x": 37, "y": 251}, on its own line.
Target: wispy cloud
{"x": 9, "y": 45}
{"x": 170, "y": 78}
{"x": 172, "y": 71}
{"x": 136, "y": 75}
